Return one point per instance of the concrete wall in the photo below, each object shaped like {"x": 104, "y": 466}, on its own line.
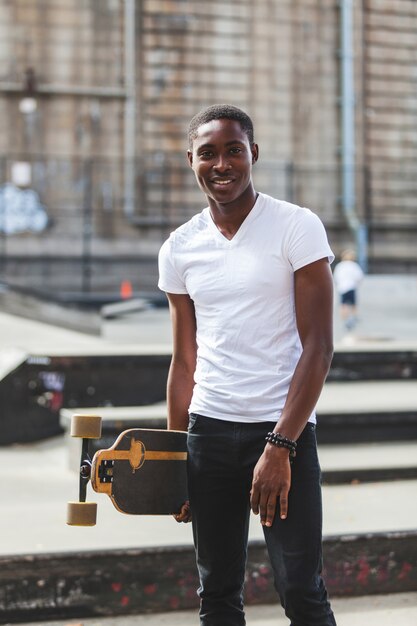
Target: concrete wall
{"x": 390, "y": 137}
{"x": 151, "y": 580}
{"x": 74, "y": 47}
{"x": 277, "y": 59}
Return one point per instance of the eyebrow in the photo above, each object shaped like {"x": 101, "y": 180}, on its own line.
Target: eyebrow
{"x": 229, "y": 143}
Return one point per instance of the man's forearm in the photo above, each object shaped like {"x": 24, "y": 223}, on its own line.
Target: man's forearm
{"x": 313, "y": 286}
{"x": 305, "y": 389}
{"x": 179, "y": 392}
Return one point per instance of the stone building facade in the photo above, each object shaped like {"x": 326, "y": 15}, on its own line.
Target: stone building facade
{"x": 115, "y": 83}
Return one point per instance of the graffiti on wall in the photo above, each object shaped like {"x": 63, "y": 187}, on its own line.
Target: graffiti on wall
{"x": 21, "y": 211}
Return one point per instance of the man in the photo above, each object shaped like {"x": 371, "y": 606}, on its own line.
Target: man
{"x": 250, "y": 294}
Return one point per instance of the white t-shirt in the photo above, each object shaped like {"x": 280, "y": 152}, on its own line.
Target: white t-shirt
{"x": 243, "y": 293}
{"x": 347, "y": 276}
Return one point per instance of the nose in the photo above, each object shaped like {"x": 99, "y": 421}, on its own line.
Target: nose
{"x": 222, "y": 163}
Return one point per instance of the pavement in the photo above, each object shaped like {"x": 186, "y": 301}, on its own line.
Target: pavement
{"x": 392, "y": 610}
{"x": 387, "y": 316}
{"x": 387, "y": 311}
{"x": 37, "y": 480}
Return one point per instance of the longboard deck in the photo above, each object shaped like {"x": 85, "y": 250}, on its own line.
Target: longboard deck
{"x": 144, "y": 472}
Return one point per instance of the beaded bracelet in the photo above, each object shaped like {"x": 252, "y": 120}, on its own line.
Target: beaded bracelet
{"x": 276, "y": 439}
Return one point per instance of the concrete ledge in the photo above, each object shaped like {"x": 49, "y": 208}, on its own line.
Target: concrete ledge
{"x": 24, "y": 304}
{"x": 93, "y": 378}
{"x": 118, "y": 418}
{"x": 87, "y": 381}
{"x": 368, "y": 426}
{"x": 125, "y": 307}
{"x": 368, "y": 462}
{"x": 332, "y": 429}
{"x": 367, "y": 364}
{"x": 121, "y": 582}
{"x": 367, "y": 475}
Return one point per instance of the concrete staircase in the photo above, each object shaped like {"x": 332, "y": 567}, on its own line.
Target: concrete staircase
{"x": 367, "y": 437}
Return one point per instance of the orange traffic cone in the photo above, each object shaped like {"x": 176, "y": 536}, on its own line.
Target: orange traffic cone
{"x": 126, "y": 290}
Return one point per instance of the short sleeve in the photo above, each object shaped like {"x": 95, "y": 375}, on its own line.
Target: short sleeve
{"x": 308, "y": 240}
{"x": 170, "y": 280}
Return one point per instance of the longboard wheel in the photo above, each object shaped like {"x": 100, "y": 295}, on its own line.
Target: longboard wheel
{"x": 86, "y": 426}
{"x": 81, "y": 513}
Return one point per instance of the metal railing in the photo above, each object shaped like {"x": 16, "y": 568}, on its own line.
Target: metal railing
{"x": 70, "y": 221}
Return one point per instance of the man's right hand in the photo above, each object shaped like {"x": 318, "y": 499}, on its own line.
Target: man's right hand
{"x": 185, "y": 513}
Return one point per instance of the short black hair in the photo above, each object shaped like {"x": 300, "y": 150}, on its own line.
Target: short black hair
{"x": 219, "y": 112}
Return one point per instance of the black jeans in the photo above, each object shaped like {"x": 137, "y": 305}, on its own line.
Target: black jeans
{"x": 222, "y": 456}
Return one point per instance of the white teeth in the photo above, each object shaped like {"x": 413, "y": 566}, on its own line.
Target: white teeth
{"x": 222, "y": 182}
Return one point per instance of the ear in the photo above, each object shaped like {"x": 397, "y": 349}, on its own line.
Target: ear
{"x": 190, "y": 158}
{"x": 255, "y": 152}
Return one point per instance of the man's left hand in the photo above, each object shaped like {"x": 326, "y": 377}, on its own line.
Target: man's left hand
{"x": 271, "y": 481}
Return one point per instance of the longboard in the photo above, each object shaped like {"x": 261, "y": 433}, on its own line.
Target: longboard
{"x": 144, "y": 472}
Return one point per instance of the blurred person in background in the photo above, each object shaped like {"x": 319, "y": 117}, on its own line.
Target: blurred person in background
{"x": 347, "y": 277}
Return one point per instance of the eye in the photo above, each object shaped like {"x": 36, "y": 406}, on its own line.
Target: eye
{"x": 206, "y": 154}
{"x": 236, "y": 150}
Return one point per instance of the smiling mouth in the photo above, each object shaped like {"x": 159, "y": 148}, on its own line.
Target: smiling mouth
{"x": 222, "y": 181}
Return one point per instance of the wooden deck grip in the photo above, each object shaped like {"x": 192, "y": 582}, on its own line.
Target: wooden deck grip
{"x": 136, "y": 455}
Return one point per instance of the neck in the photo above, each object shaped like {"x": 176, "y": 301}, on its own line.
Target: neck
{"x": 229, "y": 217}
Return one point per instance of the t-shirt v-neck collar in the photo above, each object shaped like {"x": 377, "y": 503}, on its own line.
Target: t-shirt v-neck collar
{"x": 242, "y": 228}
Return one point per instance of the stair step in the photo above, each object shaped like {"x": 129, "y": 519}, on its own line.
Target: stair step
{"x": 356, "y": 463}
{"x": 369, "y": 396}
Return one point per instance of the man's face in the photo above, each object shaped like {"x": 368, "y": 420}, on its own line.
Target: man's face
{"x": 222, "y": 158}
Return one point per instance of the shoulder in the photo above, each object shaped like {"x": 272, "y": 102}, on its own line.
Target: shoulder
{"x": 170, "y": 258}
{"x": 291, "y": 220}
{"x": 302, "y": 232}
{"x": 184, "y": 235}
{"x": 292, "y": 213}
